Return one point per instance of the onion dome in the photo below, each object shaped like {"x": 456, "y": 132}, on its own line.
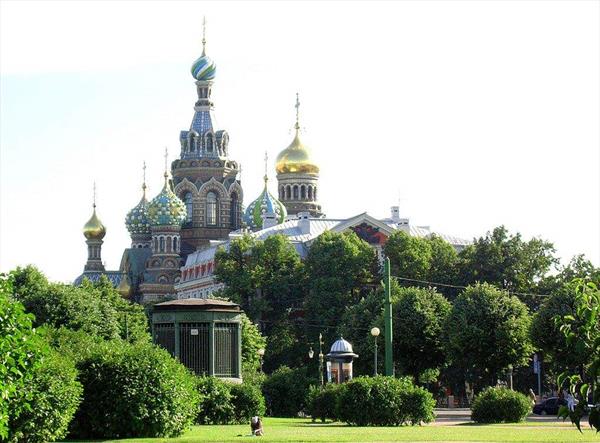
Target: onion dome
{"x": 124, "y": 287}
{"x": 295, "y": 158}
{"x": 341, "y": 348}
{"x": 266, "y": 203}
{"x": 94, "y": 229}
{"x": 137, "y": 221}
{"x": 204, "y": 68}
{"x": 166, "y": 209}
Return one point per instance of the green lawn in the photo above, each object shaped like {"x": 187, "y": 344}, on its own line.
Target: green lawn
{"x": 287, "y": 430}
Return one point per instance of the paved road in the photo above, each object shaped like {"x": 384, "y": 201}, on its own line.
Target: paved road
{"x": 463, "y": 415}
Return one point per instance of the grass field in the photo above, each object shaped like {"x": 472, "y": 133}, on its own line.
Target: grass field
{"x": 289, "y": 430}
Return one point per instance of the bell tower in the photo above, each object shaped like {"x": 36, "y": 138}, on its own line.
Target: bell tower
{"x": 205, "y": 178}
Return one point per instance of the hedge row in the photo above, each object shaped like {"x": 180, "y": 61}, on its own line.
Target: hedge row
{"x": 373, "y": 401}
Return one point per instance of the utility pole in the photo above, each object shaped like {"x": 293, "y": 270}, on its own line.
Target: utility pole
{"x": 389, "y": 353}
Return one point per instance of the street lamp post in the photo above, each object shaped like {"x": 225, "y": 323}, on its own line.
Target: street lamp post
{"x": 321, "y": 358}
{"x": 375, "y": 333}
{"x": 261, "y": 354}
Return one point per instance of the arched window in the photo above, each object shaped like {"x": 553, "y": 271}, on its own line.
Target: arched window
{"x": 169, "y": 244}
{"x": 162, "y": 244}
{"x": 211, "y": 209}
{"x": 288, "y": 192}
{"x": 155, "y": 244}
{"x": 209, "y": 143}
{"x": 295, "y": 192}
{"x": 315, "y": 193}
{"x": 302, "y": 192}
{"x": 310, "y": 193}
{"x": 187, "y": 198}
{"x": 235, "y": 211}
{"x": 175, "y": 244}
{"x": 281, "y": 193}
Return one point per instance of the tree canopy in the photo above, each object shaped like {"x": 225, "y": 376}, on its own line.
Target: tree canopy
{"x": 489, "y": 330}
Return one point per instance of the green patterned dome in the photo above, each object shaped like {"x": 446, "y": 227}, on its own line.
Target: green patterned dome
{"x": 137, "y": 221}
{"x": 265, "y": 202}
{"x": 166, "y": 209}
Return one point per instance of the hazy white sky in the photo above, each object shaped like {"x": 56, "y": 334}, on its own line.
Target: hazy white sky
{"x": 474, "y": 114}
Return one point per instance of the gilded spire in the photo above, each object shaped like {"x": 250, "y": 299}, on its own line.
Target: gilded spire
{"x": 204, "y": 35}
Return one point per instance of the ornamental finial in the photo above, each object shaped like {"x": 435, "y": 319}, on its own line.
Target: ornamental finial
{"x": 94, "y": 203}
{"x": 144, "y": 179}
{"x": 166, "y": 163}
{"x": 204, "y": 35}
{"x": 266, "y": 178}
{"x": 297, "y": 106}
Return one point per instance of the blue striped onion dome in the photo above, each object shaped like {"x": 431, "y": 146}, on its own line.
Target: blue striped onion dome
{"x": 341, "y": 346}
{"x": 137, "y": 221}
{"x": 204, "y": 68}
{"x": 166, "y": 209}
{"x": 266, "y": 202}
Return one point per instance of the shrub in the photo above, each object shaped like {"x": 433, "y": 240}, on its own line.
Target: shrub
{"x": 321, "y": 403}
{"x": 384, "y": 401}
{"x": 285, "y": 391}
{"x": 498, "y": 405}
{"x": 215, "y": 405}
{"x": 55, "y": 394}
{"x": 134, "y": 390}
{"x": 20, "y": 349}
{"x": 248, "y": 401}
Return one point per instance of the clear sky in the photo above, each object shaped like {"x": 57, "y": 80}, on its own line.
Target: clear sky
{"x": 472, "y": 114}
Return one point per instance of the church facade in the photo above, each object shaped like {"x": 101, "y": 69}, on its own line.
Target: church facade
{"x": 175, "y": 235}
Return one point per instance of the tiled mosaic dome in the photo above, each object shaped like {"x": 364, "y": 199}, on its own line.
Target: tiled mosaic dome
{"x": 265, "y": 202}
{"x": 166, "y": 209}
{"x": 137, "y": 221}
{"x": 204, "y": 68}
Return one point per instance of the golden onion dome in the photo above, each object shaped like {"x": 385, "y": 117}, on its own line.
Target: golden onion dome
{"x": 124, "y": 287}
{"x": 295, "y": 158}
{"x": 94, "y": 229}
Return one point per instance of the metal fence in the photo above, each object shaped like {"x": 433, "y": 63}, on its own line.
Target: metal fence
{"x": 226, "y": 349}
{"x": 164, "y": 335}
{"x": 194, "y": 346}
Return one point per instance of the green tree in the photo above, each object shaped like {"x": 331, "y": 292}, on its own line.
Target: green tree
{"x": 420, "y": 318}
{"x": 410, "y": 257}
{"x": 252, "y": 341}
{"x": 488, "y": 331}
{"x": 582, "y": 331}
{"x": 20, "y": 352}
{"x": 94, "y": 308}
{"x": 264, "y": 277}
{"x": 443, "y": 266}
{"x": 340, "y": 269}
{"x": 506, "y": 261}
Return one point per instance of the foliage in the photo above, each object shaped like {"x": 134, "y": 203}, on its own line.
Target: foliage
{"x": 215, "y": 401}
{"x": 264, "y": 277}
{"x": 226, "y": 403}
{"x": 489, "y": 330}
{"x": 285, "y": 346}
{"x": 97, "y": 309}
{"x": 582, "y": 332}
{"x": 410, "y": 257}
{"x": 419, "y": 320}
{"x": 341, "y": 269}
{"x": 322, "y": 402}
{"x": 54, "y": 394}
{"x": 20, "y": 351}
{"x": 285, "y": 391}
{"x": 506, "y": 261}
{"x": 252, "y": 341}
{"x": 133, "y": 390}
{"x": 443, "y": 266}
{"x": 384, "y": 401}
{"x": 356, "y": 325}
{"x": 247, "y": 401}
{"x": 500, "y": 405}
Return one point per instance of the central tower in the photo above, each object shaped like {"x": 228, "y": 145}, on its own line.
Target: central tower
{"x": 204, "y": 176}
{"x": 298, "y": 176}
